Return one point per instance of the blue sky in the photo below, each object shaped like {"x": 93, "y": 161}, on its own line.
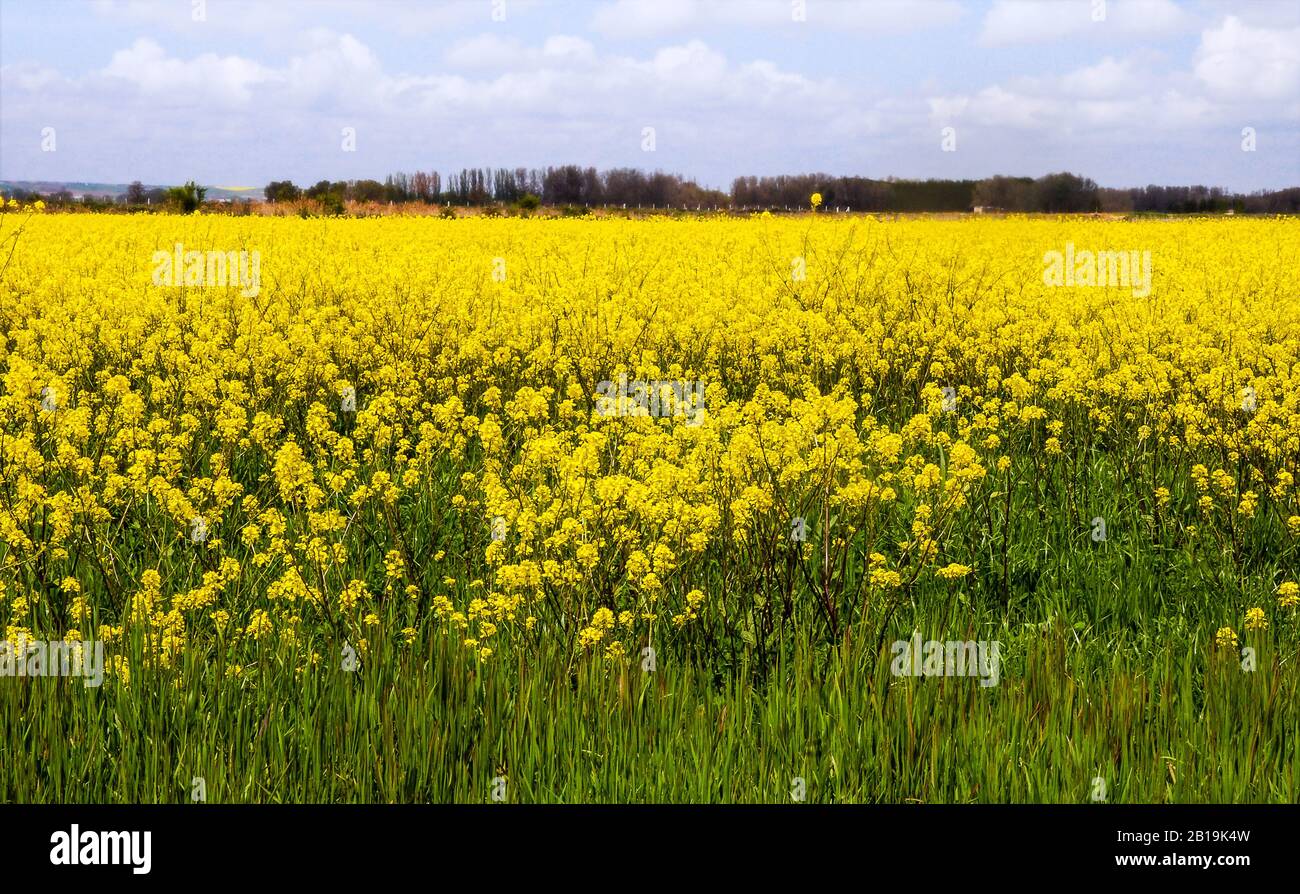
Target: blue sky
{"x": 231, "y": 92}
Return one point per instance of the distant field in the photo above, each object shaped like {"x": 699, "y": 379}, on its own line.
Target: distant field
{"x": 824, "y": 508}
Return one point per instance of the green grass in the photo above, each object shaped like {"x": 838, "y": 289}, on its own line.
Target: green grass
{"x": 428, "y": 723}
{"x": 1109, "y": 671}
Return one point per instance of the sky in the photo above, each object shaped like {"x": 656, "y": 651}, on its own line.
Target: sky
{"x": 238, "y": 93}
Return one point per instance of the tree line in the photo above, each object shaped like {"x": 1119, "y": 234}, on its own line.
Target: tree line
{"x": 572, "y": 185}
{"x": 576, "y": 187}
{"x": 1060, "y": 193}
{"x": 564, "y": 185}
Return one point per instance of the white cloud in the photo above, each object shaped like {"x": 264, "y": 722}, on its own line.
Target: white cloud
{"x": 692, "y": 63}
{"x": 1116, "y": 96}
{"x": 559, "y": 100}
{"x": 494, "y": 52}
{"x": 30, "y": 77}
{"x": 636, "y": 18}
{"x": 649, "y": 18}
{"x": 272, "y": 19}
{"x": 1263, "y": 13}
{"x": 340, "y": 71}
{"x": 1106, "y": 78}
{"x": 994, "y": 107}
{"x": 1036, "y": 21}
{"x": 228, "y": 80}
{"x": 1237, "y": 61}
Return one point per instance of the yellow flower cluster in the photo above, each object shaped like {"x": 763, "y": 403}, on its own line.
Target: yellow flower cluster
{"x": 402, "y": 423}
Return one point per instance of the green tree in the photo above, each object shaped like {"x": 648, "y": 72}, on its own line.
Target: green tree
{"x": 188, "y": 197}
{"x": 281, "y": 191}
